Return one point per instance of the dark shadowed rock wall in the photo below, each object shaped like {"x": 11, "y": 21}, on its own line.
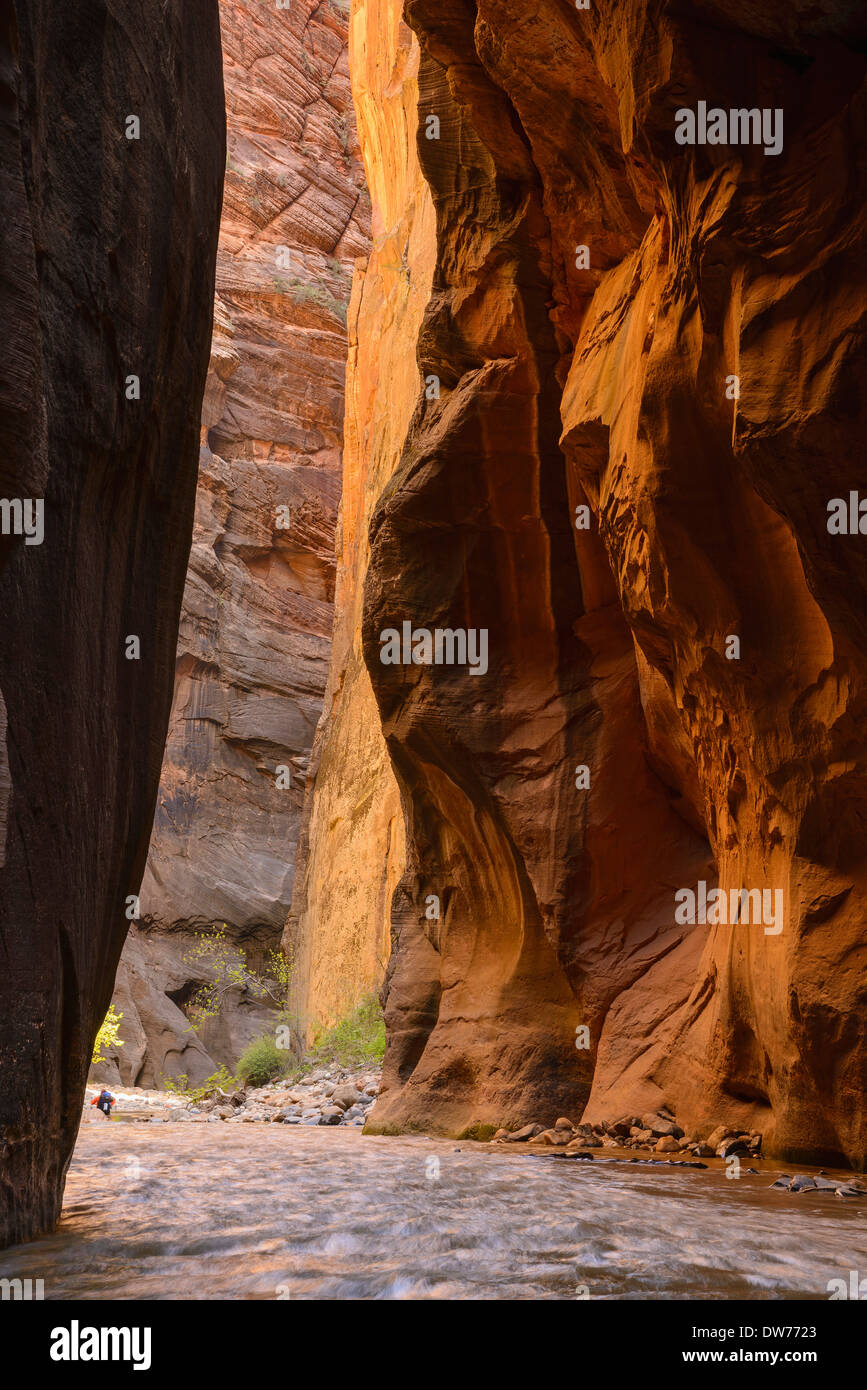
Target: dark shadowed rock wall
{"x": 106, "y": 271}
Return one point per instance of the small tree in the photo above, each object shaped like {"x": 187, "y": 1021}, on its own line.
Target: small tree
{"x": 107, "y": 1036}
{"x": 228, "y": 965}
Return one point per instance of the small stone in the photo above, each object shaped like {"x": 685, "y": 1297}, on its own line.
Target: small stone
{"x": 563, "y": 1123}
{"x": 520, "y": 1136}
{"x": 620, "y": 1128}
{"x": 802, "y": 1182}
{"x": 703, "y": 1151}
{"x": 344, "y": 1096}
{"x": 732, "y": 1146}
{"x": 721, "y": 1133}
{"x": 667, "y": 1145}
{"x": 661, "y": 1127}
{"x": 553, "y": 1136}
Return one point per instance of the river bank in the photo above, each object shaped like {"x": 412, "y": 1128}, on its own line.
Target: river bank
{"x": 326, "y": 1095}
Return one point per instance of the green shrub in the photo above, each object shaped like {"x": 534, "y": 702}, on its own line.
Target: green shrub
{"x": 261, "y": 1062}
{"x": 355, "y": 1040}
{"x": 479, "y": 1132}
{"x": 194, "y": 1094}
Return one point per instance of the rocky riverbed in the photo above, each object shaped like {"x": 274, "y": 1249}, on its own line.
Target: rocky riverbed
{"x": 660, "y": 1140}
{"x": 326, "y": 1096}
{"x": 336, "y": 1096}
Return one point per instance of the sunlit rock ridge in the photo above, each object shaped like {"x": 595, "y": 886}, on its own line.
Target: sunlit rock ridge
{"x": 351, "y": 855}
{"x": 670, "y": 336}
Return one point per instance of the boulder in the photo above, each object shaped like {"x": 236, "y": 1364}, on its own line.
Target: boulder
{"x": 719, "y": 1134}
{"x": 519, "y": 1136}
{"x": 344, "y": 1096}
{"x": 802, "y": 1182}
{"x": 667, "y": 1145}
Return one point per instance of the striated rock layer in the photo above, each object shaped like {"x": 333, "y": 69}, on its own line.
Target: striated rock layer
{"x": 604, "y": 379}
{"x": 106, "y": 272}
{"x": 252, "y": 656}
{"x": 352, "y": 848}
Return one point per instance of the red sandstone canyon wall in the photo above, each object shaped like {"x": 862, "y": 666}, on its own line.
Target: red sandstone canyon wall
{"x": 106, "y": 273}
{"x": 352, "y": 848}
{"x": 256, "y": 621}
{"x": 602, "y": 378}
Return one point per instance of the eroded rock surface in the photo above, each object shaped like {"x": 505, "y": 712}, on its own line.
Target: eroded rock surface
{"x": 106, "y": 272}
{"x": 352, "y": 846}
{"x": 252, "y": 656}
{"x": 606, "y": 382}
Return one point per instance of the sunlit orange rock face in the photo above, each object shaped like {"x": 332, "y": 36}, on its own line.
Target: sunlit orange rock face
{"x": 256, "y": 622}
{"x": 351, "y": 853}
{"x": 609, "y": 384}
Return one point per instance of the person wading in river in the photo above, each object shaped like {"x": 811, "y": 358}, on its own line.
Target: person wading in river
{"x": 104, "y": 1101}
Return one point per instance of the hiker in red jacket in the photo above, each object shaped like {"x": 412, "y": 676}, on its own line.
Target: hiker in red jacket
{"x": 104, "y": 1101}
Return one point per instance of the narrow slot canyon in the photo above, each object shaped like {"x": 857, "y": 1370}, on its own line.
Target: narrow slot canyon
{"x": 433, "y": 769}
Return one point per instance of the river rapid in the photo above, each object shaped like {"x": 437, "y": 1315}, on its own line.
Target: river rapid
{"x": 276, "y": 1212}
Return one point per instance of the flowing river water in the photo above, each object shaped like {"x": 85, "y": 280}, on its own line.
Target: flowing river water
{"x": 269, "y": 1212}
